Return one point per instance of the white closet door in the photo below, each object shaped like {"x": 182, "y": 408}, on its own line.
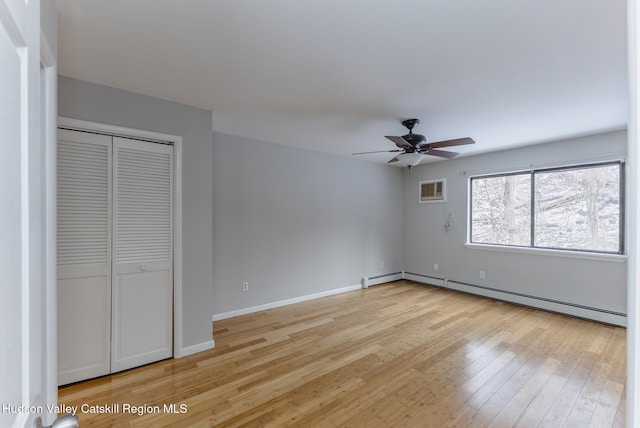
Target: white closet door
{"x": 84, "y": 254}
{"x": 142, "y": 305}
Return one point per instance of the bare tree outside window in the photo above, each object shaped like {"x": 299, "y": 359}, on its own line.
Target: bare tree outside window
{"x": 501, "y": 211}
{"x": 576, "y": 208}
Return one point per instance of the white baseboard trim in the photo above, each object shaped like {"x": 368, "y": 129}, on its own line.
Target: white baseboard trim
{"x": 579, "y": 311}
{"x": 193, "y": 349}
{"x": 252, "y": 309}
{"x": 380, "y": 279}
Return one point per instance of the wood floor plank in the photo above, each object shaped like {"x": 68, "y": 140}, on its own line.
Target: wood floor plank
{"x": 515, "y": 407}
{"x": 398, "y": 354}
{"x": 607, "y": 405}
{"x": 538, "y": 407}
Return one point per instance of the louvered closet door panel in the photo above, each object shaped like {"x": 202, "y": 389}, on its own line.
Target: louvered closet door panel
{"x": 84, "y": 252}
{"x": 143, "y": 253}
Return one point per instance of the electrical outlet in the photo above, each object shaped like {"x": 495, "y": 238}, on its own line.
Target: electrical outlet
{"x": 245, "y": 286}
{"x": 481, "y": 274}
{"x": 381, "y": 263}
{"x": 435, "y": 266}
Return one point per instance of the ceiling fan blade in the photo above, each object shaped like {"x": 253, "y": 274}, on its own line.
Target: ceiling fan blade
{"x": 400, "y": 142}
{"x": 395, "y": 159}
{"x": 442, "y": 153}
{"x": 448, "y": 143}
{"x": 377, "y": 151}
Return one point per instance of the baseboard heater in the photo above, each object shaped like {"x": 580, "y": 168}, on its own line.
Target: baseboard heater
{"x": 551, "y": 305}
{"x": 380, "y": 279}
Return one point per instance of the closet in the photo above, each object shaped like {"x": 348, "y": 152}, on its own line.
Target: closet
{"x": 115, "y": 254}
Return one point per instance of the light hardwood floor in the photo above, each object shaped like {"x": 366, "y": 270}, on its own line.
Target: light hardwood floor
{"x": 394, "y": 355}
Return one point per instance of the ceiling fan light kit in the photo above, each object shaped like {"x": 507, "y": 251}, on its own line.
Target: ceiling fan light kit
{"x": 414, "y": 147}
{"x": 410, "y": 159}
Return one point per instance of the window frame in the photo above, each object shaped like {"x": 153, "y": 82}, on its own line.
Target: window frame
{"x": 556, "y": 250}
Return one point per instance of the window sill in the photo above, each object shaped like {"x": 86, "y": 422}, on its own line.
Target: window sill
{"x": 618, "y": 258}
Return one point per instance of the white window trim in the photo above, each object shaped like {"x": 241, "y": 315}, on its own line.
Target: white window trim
{"x": 572, "y": 254}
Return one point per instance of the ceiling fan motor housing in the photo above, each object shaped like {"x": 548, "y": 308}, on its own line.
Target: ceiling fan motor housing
{"x": 416, "y": 140}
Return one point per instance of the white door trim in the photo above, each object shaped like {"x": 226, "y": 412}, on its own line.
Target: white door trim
{"x": 633, "y": 207}
{"x": 50, "y": 112}
{"x": 119, "y": 131}
{"x": 26, "y": 104}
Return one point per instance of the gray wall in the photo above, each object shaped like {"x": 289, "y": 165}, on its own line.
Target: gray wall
{"x": 49, "y": 24}
{"x": 598, "y": 284}
{"x": 87, "y": 101}
{"x": 293, "y": 222}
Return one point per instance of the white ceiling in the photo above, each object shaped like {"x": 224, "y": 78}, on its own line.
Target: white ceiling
{"x": 337, "y": 76}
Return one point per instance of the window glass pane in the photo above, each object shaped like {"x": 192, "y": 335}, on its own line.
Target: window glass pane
{"x": 501, "y": 210}
{"x": 578, "y": 209}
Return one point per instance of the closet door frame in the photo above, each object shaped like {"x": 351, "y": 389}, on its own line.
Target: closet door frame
{"x": 82, "y": 125}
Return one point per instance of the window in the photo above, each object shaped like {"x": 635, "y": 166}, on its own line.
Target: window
{"x": 573, "y": 208}
{"x": 501, "y": 210}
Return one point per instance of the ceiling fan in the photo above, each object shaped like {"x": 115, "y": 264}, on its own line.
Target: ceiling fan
{"x": 414, "y": 147}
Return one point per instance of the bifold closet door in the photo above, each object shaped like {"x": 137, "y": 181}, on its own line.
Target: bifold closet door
{"x": 115, "y": 254}
{"x": 84, "y": 255}
{"x": 142, "y": 262}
